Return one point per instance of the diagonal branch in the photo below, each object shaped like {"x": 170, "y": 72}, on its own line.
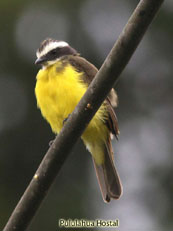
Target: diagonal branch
{"x": 83, "y": 113}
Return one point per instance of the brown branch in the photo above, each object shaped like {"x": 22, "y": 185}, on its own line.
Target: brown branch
{"x": 78, "y": 120}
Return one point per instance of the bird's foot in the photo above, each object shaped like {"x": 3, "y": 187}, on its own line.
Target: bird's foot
{"x": 51, "y": 142}
{"x": 65, "y": 120}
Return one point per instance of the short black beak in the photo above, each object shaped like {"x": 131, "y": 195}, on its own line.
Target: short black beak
{"x": 40, "y": 60}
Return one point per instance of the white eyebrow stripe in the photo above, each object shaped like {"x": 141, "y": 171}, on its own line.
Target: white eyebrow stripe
{"x": 51, "y": 46}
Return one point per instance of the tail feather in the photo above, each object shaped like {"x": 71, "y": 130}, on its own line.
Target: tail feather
{"x": 108, "y": 177}
{"x": 101, "y": 180}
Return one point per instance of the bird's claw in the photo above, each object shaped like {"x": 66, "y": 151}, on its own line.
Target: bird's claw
{"x": 51, "y": 142}
{"x": 65, "y": 120}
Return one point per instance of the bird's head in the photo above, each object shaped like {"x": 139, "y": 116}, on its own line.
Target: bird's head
{"x": 52, "y": 50}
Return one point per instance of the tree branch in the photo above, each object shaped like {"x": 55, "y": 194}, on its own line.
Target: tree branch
{"x": 83, "y": 113}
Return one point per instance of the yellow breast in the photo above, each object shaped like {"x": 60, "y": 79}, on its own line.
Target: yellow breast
{"x": 58, "y": 91}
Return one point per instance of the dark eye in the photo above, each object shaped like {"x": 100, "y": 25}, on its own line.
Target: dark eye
{"x": 54, "y": 52}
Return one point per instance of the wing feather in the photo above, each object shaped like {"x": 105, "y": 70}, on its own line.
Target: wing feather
{"x": 89, "y": 70}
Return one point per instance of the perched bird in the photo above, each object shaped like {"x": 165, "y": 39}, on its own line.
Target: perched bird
{"x": 61, "y": 83}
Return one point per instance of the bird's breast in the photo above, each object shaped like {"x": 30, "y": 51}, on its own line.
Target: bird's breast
{"x": 57, "y": 93}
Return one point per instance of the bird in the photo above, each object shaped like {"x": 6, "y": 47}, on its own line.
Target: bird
{"x": 61, "y": 82}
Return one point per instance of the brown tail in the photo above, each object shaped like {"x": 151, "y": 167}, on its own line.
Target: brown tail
{"x": 107, "y": 176}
